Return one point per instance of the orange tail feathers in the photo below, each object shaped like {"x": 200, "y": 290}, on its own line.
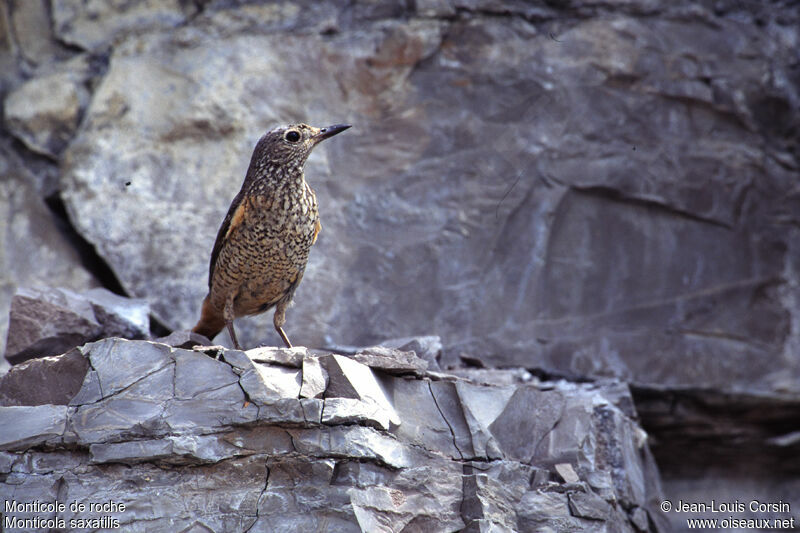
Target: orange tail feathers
{"x": 211, "y": 321}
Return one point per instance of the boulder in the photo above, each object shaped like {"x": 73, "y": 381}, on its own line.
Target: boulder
{"x": 45, "y": 322}
{"x": 44, "y": 112}
{"x": 95, "y": 26}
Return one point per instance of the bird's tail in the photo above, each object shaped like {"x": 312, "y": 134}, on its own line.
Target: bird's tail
{"x": 211, "y": 321}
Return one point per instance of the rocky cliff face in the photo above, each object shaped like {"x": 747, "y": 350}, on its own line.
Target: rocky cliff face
{"x": 284, "y": 440}
{"x": 583, "y": 189}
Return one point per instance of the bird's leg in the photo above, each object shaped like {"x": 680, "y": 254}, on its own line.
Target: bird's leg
{"x": 227, "y": 314}
{"x": 279, "y": 320}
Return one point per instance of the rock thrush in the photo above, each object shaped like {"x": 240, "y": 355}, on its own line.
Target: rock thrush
{"x": 262, "y": 247}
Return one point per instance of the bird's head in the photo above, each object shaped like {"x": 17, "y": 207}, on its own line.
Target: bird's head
{"x": 290, "y": 146}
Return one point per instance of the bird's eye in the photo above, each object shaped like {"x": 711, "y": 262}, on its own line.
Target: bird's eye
{"x": 292, "y": 136}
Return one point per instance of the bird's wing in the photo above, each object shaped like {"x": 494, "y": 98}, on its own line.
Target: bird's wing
{"x": 232, "y": 220}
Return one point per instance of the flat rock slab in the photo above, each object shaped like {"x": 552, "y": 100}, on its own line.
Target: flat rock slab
{"x": 25, "y": 426}
{"x": 369, "y": 448}
{"x": 391, "y": 360}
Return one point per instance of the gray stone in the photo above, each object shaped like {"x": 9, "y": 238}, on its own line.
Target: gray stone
{"x": 53, "y": 321}
{"x": 120, "y": 316}
{"x": 7, "y": 460}
{"x": 350, "y": 379}
{"x": 90, "y": 390}
{"x": 282, "y": 356}
{"x": 539, "y": 505}
{"x": 401, "y": 506}
{"x": 205, "y": 448}
{"x": 589, "y": 505}
{"x": 29, "y": 425}
{"x": 137, "y": 412}
{"x": 32, "y": 32}
{"x": 361, "y": 443}
{"x": 339, "y": 411}
{"x": 391, "y": 360}
{"x": 423, "y": 421}
{"x": 225, "y": 443}
{"x": 315, "y": 378}
{"x": 528, "y": 417}
{"x": 57, "y": 380}
{"x": 33, "y": 250}
{"x": 567, "y": 473}
{"x": 48, "y": 323}
{"x": 183, "y": 339}
{"x": 312, "y": 410}
{"x": 49, "y": 125}
{"x": 428, "y": 348}
{"x": 121, "y": 363}
{"x": 482, "y": 406}
{"x": 97, "y": 25}
{"x": 196, "y": 376}
{"x": 131, "y": 451}
{"x": 266, "y": 383}
{"x": 639, "y": 519}
{"x": 490, "y": 494}
{"x": 215, "y": 409}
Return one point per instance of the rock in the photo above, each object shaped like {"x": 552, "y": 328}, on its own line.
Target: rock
{"x": 350, "y": 379}
{"x": 391, "y": 360}
{"x": 183, "y": 339}
{"x": 120, "y": 316}
{"x": 567, "y": 473}
{"x": 95, "y": 26}
{"x": 293, "y": 357}
{"x": 53, "y": 321}
{"x": 47, "y": 380}
{"x": 588, "y": 505}
{"x": 428, "y": 348}
{"x": 272, "y": 382}
{"x": 44, "y": 112}
{"x": 315, "y": 378}
{"x": 25, "y": 426}
{"x": 692, "y": 429}
{"x": 38, "y": 327}
{"x": 33, "y": 250}
{"x": 31, "y": 31}
{"x": 190, "y": 427}
{"x": 176, "y": 140}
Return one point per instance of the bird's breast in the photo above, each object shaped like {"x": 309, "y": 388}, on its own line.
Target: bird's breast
{"x": 286, "y": 224}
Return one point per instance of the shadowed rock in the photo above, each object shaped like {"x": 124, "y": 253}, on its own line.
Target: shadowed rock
{"x": 46, "y": 322}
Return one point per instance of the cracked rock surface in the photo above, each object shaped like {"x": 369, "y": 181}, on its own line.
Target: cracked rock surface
{"x": 224, "y": 440}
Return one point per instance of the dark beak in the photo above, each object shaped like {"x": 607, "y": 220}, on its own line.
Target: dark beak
{"x": 330, "y": 131}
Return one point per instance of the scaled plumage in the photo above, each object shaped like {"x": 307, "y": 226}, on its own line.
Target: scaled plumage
{"x": 262, "y": 247}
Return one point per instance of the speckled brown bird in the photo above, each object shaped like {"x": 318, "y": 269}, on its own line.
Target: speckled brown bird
{"x": 262, "y": 247}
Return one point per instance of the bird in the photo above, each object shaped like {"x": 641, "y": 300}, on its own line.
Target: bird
{"x": 262, "y": 246}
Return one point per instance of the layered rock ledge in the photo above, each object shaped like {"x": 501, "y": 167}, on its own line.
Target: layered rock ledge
{"x": 294, "y": 440}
